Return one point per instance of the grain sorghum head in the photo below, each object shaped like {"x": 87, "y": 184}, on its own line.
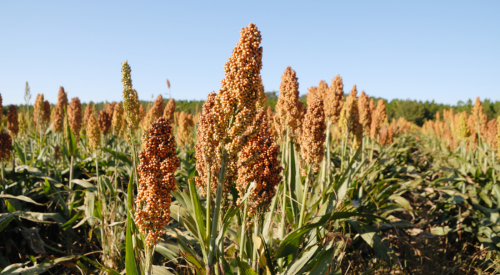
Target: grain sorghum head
{"x": 491, "y": 133}
{"x": 169, "y": 111}
{"x": 104, "y": 122}
{"x": 12, "y": 120}
{"x": 87, "y": 114}
{"x": 110, "y": 109}
{"x": 473, "y": 124}
{"x": 168, "y": 83}
{"x": 184, "y": 137}
{"x": 75, "y": 116}
{"x": 377, "y": 118}
{"x": 258, "y": 162}
{"x": 365, "y": 117}
{"x": 5, "y": 145}
{"x": 150, "y": 117}
{"x": 158, "y": 163}
{"x": 62, "y": 97}
{"x": 58, "y": 118}
{"x": 158, "y": 106}
{"x": 349, "y": 117}
{"x": 270, "y": 118}
{"x": 116, "y": 121}
{"x": 206, "y": 145}
{"x": 130, "y": 98}
{"x": 312, "y": 93}
{"x": 334, "y": 99}
{"x": 142, "y": 112}
{"x": 93, "y": 132}
{"x": 322, "y": 89}
{"x": 478, "y": 114}
{"x": 498, "y": 135}
{"x": 236, "y": 101}
{"x": 288, "y": 107}
{"x": 38, "y": 109}
{"x": 46, "y": 112}
{"x": 23, "y": 125}
{"x": 462, "y": 127}
{"x": 261, "y": 95}
{"x": 313, "y": 135}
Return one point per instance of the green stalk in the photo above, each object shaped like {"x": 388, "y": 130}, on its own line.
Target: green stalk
{"x": 208, "y": 206}
{"x": 304, "y": 199}
{"x": 3, "y": 181}
{"x": 283, "y": 201}
{"x": 215, "y": 217}
{"x": 256, "y": 230}
{"x": 243, "y": 229}
{"x": 71, "y": 173}
{"x": 148, "y": 261}
{"x": 100, "y": 192}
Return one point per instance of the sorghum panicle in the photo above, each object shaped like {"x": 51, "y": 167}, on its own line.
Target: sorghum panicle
{"x": 93, "y": 132}
{"x": 364, "y": 112}
{"x": 205, "y": 146}
{"x": 104, "y": 121}
{"x": 158, "y": 106}
{"x": 158, "y": 163}
{"x": 168, "y": 113}
{"x": 184, "y": 137}
{"x": 130, "y": 98}
{"x": 478, "y": 113}
{"x": 313, "y": 135}
{"x": 258, "y": 162}
{"x": 334, "y": 100}
{"x": 75, "y": 116}
{"x": 288, "y": 107}
{"x": 116, "y": 121}
{"x": 5, "y": 145}
{"x": 12, "y": 120}
{"x": 378, "y": 118}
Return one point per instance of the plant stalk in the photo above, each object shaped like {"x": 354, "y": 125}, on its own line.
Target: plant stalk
{"x": 215, "y": 218}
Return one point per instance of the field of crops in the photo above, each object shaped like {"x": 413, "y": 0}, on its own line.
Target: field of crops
{"x": 326, "y": 187}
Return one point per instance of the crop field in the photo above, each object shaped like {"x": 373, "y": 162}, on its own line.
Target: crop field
{"x": 326, "y": 184}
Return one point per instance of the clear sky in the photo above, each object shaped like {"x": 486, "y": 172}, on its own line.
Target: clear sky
{"x": 426, "y": 50}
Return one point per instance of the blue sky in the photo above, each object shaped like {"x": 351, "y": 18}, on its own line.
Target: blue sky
{"x": 426, "y": 50}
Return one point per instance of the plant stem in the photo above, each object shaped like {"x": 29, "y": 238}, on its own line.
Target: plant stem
{"x": 208, "y": 206}
{"x": 256, "y": 230}
{"x": 71, "y": 174}
{"x": 283, "y": 201}
{"x": 3, "y": 181}
{"x": 148, "y": 261}
{"x": 243, "y": 229}
{"x": 215, "y": 217}
{"x": 304, "y": 198}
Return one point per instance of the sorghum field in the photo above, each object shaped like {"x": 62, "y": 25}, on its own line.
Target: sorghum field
{"x": 326, "y": 187}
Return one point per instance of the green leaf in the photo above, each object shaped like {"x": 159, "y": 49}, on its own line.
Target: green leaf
{"x": 296, "y": 267}
{"x": 35, "y": 269}
{"x": 373, "y": 240}
{"x": 20, "y": 153}
{"x": 124, "y": 158}
{"x": 291, "y": 242}
{"x": 160, "y": 270}
{"x": 69, "y": 223}
{"x": 5, "y": 219}
{"x": 85, "y": 184}
{"x": 245, "y": 269}
{"x": 20, "y": 197}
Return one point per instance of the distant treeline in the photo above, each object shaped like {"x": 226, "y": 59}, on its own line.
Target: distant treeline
{"x": 415, "y": 111}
